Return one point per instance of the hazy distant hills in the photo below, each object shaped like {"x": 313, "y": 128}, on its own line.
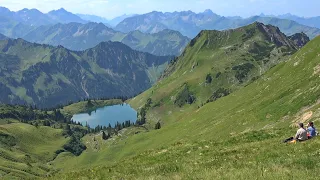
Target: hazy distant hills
{"x": 117, "y": 20}
{"x": 27, "y": 16}
{"x": 63, "y": 16}
{"x": 34, "y": 17}
{"x": 94, "y": 18}
{"x": 46, "y": 75}
{"x": 308, "y": 21}
{"x": 18, "y": 24}
{"x": 190, "y": 23}
{"x": 187, "y": 23}
{"x": 113, "y": 22}
{"x": 60, "y": 27}
{"x": 76, "y": 36}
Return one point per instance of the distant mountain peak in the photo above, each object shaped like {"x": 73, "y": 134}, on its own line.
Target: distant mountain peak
{"x": 208, "y": 11}
{"x": 64, "y": 16}
{"x": 62, "y": 10}
{"x": 33, "y": 10}
{"x": 288, "y": 14}
{"x": 156, "y": 12}
{"x": 3, "y": 8}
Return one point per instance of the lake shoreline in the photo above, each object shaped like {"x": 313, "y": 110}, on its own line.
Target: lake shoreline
{"x": 109, "y": 115}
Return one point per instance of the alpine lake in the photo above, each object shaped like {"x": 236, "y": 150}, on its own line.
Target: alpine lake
{"x": 107, "y": 115}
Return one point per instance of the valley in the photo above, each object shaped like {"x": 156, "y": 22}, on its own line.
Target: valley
{"x": 160, "y": 95}
{"x": 233, "y": 137}
{"x": 37, "y": 74}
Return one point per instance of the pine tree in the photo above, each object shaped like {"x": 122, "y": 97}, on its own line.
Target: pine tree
{"x": 158, "y": 125}
{"x": 67, "y": 130}
{"x": 208, "y": 78}
{"x": 104, "y": 136}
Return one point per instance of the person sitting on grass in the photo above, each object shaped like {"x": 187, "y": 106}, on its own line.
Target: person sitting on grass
{"x": 301, "y": 135}
{"x": 311, "y": 130}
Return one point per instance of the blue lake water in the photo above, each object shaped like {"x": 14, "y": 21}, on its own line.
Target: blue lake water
{"x": 108, "y": 114}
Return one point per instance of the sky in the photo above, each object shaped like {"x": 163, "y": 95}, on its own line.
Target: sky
{"x": 112, "y": 8}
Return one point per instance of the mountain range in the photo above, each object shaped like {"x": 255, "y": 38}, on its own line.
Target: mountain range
{"x": 18, "y": 24}
{"x": 34, "y": 17}
{"x": 76, "y": 36}
{"x": 218, "y": 110}
{"x": 110, "y": 23}
{"x": 47, "y": 76}
{"x": 308, "y": 21}
{"x": 60, "y": 27}
{"x": 190, "y": 23}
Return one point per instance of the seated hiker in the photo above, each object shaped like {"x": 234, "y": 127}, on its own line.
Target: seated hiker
{"x": 301, "y": 135}
{"x": 311, "y": 130}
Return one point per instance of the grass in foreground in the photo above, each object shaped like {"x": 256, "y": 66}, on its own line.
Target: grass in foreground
{"x": 253, "y": 155}
{"x": 25, "y": 150}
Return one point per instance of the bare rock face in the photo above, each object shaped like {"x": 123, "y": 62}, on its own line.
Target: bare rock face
{"x": 274, "y": 35}
{"x": 300, "y": 39}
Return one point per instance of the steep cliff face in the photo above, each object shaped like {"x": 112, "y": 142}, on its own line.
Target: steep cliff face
{"x": 47, "y": 76}
{"x": 299, "y": 39}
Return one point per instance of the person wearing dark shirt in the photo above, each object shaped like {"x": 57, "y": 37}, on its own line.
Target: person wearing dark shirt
{"x": 311, "y": 130}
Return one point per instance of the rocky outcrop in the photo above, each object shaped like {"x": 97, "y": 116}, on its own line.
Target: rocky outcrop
{"x": 299, "y": 39}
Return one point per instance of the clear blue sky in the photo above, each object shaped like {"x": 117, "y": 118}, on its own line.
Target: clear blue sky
{"x": 112, "y": 8}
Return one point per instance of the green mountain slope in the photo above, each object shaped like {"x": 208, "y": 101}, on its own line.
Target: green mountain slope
{"x": 235, "y": 137}
{"x": 76, "y": 36}
{"x": 25, "y": 150}
{"x": 47, "y": 76}
{"x": 166, "y": 42}
{"x": 217, "y": 63}
{"x": 14, "y": 29}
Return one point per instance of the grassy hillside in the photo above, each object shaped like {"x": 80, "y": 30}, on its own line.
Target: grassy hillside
{"x": 217, "y": 63}
{"x": 235, "y": 137}
{"x": 25, "y": 150}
